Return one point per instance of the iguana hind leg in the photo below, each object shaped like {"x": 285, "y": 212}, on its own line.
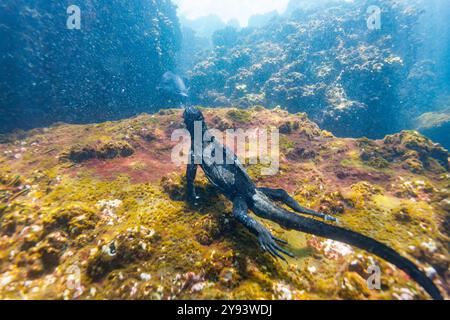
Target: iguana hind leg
{"x": 283, "y": 196}
{"x": 267, "y": 241}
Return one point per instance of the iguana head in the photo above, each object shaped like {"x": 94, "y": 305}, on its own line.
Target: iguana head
{"x": 191, "y": 116}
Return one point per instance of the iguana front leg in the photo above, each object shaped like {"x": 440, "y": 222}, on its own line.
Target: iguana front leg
{"x": 267, "y": 241}
{"x": 283, "y": 196}
{"x": 191, "y": 173}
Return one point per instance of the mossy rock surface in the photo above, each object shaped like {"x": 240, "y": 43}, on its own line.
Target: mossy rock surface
{"x": 113, "y": 222}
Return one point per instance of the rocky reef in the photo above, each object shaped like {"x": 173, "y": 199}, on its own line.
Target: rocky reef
{"x": 324, "y": 60}
{"x": 436, "y": 125}
{"x": 107, "y": 69}
{"x": 98, "y": 211}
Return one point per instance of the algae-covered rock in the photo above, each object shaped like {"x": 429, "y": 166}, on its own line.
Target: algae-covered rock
{"x": 103, "y": 151}
{"x": 127, "y": 247}
{"x": 323, "y": 61}
{"x": 289, "y": 127}
{"x": 371, "y": 154}
{"x": 436, "y": 126}
{"x": 79, "y": 154}
{"x": 51, "y": 249}
{"x": 44, "y": 256}
{"x": 174, "y": 187}
{"x": 118, "y": 223}
{"x": 74, "y": 219}
{"x": 114, "y": 150}
{"x": 354, "y": 287}
{"x": 414, "y": 151}
{"x": 239, "y": 115}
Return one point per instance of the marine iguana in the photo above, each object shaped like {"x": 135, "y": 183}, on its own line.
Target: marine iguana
{"x": 232, "y": 180}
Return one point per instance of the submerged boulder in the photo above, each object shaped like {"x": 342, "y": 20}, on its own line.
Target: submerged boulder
{"x": 412, "y": 150}
{"x": 436, "y": 126}
{"x": 102, "y": 151}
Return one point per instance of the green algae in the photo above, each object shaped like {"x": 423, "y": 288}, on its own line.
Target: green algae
{"x": 239, "y": 115}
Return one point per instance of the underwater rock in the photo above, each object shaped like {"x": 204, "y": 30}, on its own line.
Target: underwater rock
{"x": 44, "y": 256}
{"x": 302, "y": 153}
{"x": 150, "y": 135}
{"x": 361, "y": 265}
{"x": 193, "y": 282}
{"x": 11, "y": 187}
{"x": 239, "y": 116}
{"x": 346, "y": 77}
{"x": 432, "y": 253}
{"x": 229, "y": 277}
{"x": 416, "y": 151}
{"x": 333, "y": 203}
{"x": 132, "y": 245}
{"x": 353, "y": 287}
{"x": 114, "y": 150}
{"x": 289, "y": 127}
{"x": 106, "y": 151}
{"x": 74, "y": 219}
{"x": 283, "y": 292}
{"x": 52, "y": 248}
{"x": 31, "y": 236}
{"x": 330, "y": 248}
{"x": 371, "y": 154}
{"x": 15, "y": 218}
{"x": 80, "y": 154}
{"x": 212, "y": 228}
{"x": 436, "y": 126}
{"x": 138, "y": 239}
{"x": 445, "y": 204}
{"x": 86, "y": 89}
{"x": 174, "y": 186}
{"x": 402, "y": 215}
{"x": 221, "y": 124}
{"x": 404, "y": 294}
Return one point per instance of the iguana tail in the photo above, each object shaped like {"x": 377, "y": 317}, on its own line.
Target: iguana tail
{"x": 293, "y": 221}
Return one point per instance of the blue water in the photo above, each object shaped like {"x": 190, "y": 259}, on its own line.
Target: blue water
{"x": 356, "y": 71}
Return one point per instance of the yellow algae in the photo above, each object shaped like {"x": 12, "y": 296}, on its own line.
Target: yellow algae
{"x": 239, "y": 115}
{"x": 386, "y": 203}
